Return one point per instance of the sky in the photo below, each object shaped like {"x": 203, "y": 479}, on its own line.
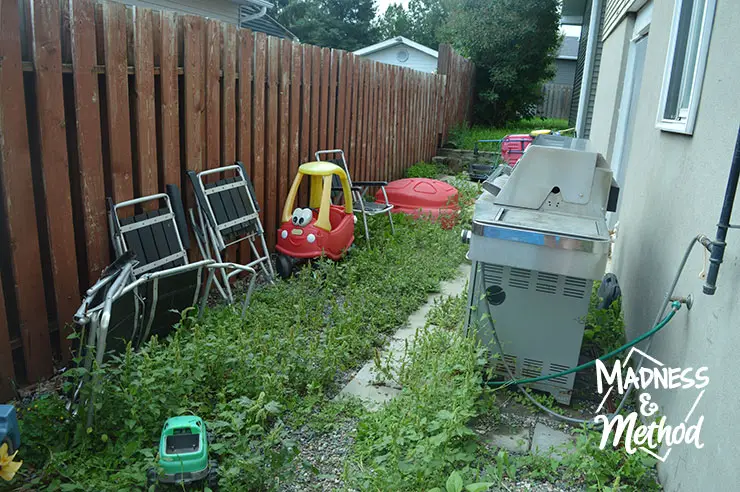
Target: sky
{"x": 383, "y": 4}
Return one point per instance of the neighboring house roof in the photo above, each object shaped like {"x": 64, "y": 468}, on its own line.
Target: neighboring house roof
{"x": 568, "y": 49}
{"x": 393, "y": 42}
{"x": 263, "y": 23}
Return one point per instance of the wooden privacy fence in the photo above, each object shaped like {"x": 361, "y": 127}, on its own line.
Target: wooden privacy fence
{"x": 555, "y": 101}
{"x": 100, "y": 99}
{"x": 459, "y": 86}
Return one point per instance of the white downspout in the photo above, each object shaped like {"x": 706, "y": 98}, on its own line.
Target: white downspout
{"x": 588, "y": 67}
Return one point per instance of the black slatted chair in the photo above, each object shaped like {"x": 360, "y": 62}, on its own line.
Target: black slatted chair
{"x": 228, "y": 213}
{"x": 143, "y": 292}
{"x": 359, "y": 188}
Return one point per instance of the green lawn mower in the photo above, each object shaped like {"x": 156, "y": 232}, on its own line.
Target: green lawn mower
{"x": 183, "y": 455}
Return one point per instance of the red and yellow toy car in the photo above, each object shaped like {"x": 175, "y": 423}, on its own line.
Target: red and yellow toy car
{"x": 323, "y": 229}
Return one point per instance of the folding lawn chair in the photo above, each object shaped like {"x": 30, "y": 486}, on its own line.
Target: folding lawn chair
{"x": 359, "y": 205}
{"x": 480, "y": 171}
{"x": 151, "y": 281}
{"x": 228, "y": 213}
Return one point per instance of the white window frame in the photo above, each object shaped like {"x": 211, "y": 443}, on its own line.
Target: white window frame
{"x": 687, "y": 119}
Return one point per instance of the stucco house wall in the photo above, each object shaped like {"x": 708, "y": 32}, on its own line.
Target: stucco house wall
{"x": 673, "y": 190}
{"x": 609, "y": 88}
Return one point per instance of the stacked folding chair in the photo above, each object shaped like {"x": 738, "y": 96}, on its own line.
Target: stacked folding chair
{"x": 359, "y": 188}
{"x": 144, "y": 290}
{"x": 480, "y": 171}
{"x": 227, "y": 214}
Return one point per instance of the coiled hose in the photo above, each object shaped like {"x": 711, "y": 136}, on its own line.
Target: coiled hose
{"x": 660, "y": 322}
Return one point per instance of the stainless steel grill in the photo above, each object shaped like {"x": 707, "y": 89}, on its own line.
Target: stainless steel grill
{"x": 540, "y": 239}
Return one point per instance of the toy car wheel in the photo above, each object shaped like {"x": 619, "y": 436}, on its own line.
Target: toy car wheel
{"x": 285, "y": 266}
{"x": 151, "y": 479}
{"x": 213, "y": 476}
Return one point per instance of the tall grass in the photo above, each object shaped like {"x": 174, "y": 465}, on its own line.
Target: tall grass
{"x": 465, "y": 138}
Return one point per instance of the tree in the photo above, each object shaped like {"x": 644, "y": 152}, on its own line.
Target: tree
{"x": 422, "y": 22}
{"x": 395, "y": 21}
{"x": 513, "y": 44}
{"x": 343, "y": 24}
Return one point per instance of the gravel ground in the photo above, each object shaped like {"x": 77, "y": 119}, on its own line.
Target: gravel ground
{"x": 320, "y": 464}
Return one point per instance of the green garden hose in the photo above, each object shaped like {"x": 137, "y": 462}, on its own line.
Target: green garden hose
{"x": 675, "y": 306}
{"x": 658, "y": 324}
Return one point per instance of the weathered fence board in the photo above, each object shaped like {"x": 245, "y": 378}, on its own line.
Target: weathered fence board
{"x": 213, "y": 97}
{"x": 146, "y": 182}
{"x": 7, "y": 371}
{"x": 18, "y": 203}
{"x": 271, "y": 141}
{"x": 258, "y": 121}
{"x": 555, "y": 101}
{"x": 54, "y": 165}
{"x": 324, "y": 97}
{"x": 169, "y": 153}
{"x": 244, "y": 114}
{"x": 296, "y": 75}
{"x": 90, "y": 189}
{"x": 286, "y": 53}
{"x": 119, "y": 101}
{"x": 305, "y": 116}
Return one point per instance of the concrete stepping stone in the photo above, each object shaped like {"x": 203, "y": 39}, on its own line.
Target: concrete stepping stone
{"x": 511, "y": 439}
{"x": 370, "y": 387}
{"x": 551, "y": 442}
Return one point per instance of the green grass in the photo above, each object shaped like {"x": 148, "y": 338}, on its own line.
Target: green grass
{"x": 250, "y": 379}
{"x": 255, "y": 379}
{"x": 418, "y": 439}
{"x": 424, "y": 170}
{"x": 465, "y": 138}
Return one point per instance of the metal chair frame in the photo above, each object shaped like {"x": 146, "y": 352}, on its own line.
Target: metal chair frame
{"x": 128, "y": 275}
{"x": 209, "y": 233}
{"x": 358, "y": 189}
{"x": 480, "y": 171}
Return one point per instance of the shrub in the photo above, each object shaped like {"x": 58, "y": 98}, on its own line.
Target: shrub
{"x": 424, "y": 170}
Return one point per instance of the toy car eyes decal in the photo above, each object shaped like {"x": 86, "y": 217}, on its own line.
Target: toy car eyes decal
{"x": 301, "y": 217}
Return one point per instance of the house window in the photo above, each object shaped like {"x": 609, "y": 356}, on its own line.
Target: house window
{"x": 685, "y": 64}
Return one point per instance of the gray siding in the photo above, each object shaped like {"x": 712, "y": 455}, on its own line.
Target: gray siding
{"x": 609, "y": 91}
{"x": 223, "y": 10}
{"x": 565, "y": 72}
{"x": 595, "y": 77}
{"x": 615, "y": 10}
{"x": 580, "y": 62}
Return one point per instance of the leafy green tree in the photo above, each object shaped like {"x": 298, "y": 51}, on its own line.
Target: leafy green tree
{"x": 428, "y": 18}
{"x": 344, "y": 24}
{"x": 513, "y": 44}
{"x": 421, "y": 22}
{"x": 395, "y": 21}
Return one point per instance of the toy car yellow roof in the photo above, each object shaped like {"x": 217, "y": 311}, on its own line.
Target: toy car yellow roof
{"x": 320, "y": 168}
{"x": 321, "y": 173}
